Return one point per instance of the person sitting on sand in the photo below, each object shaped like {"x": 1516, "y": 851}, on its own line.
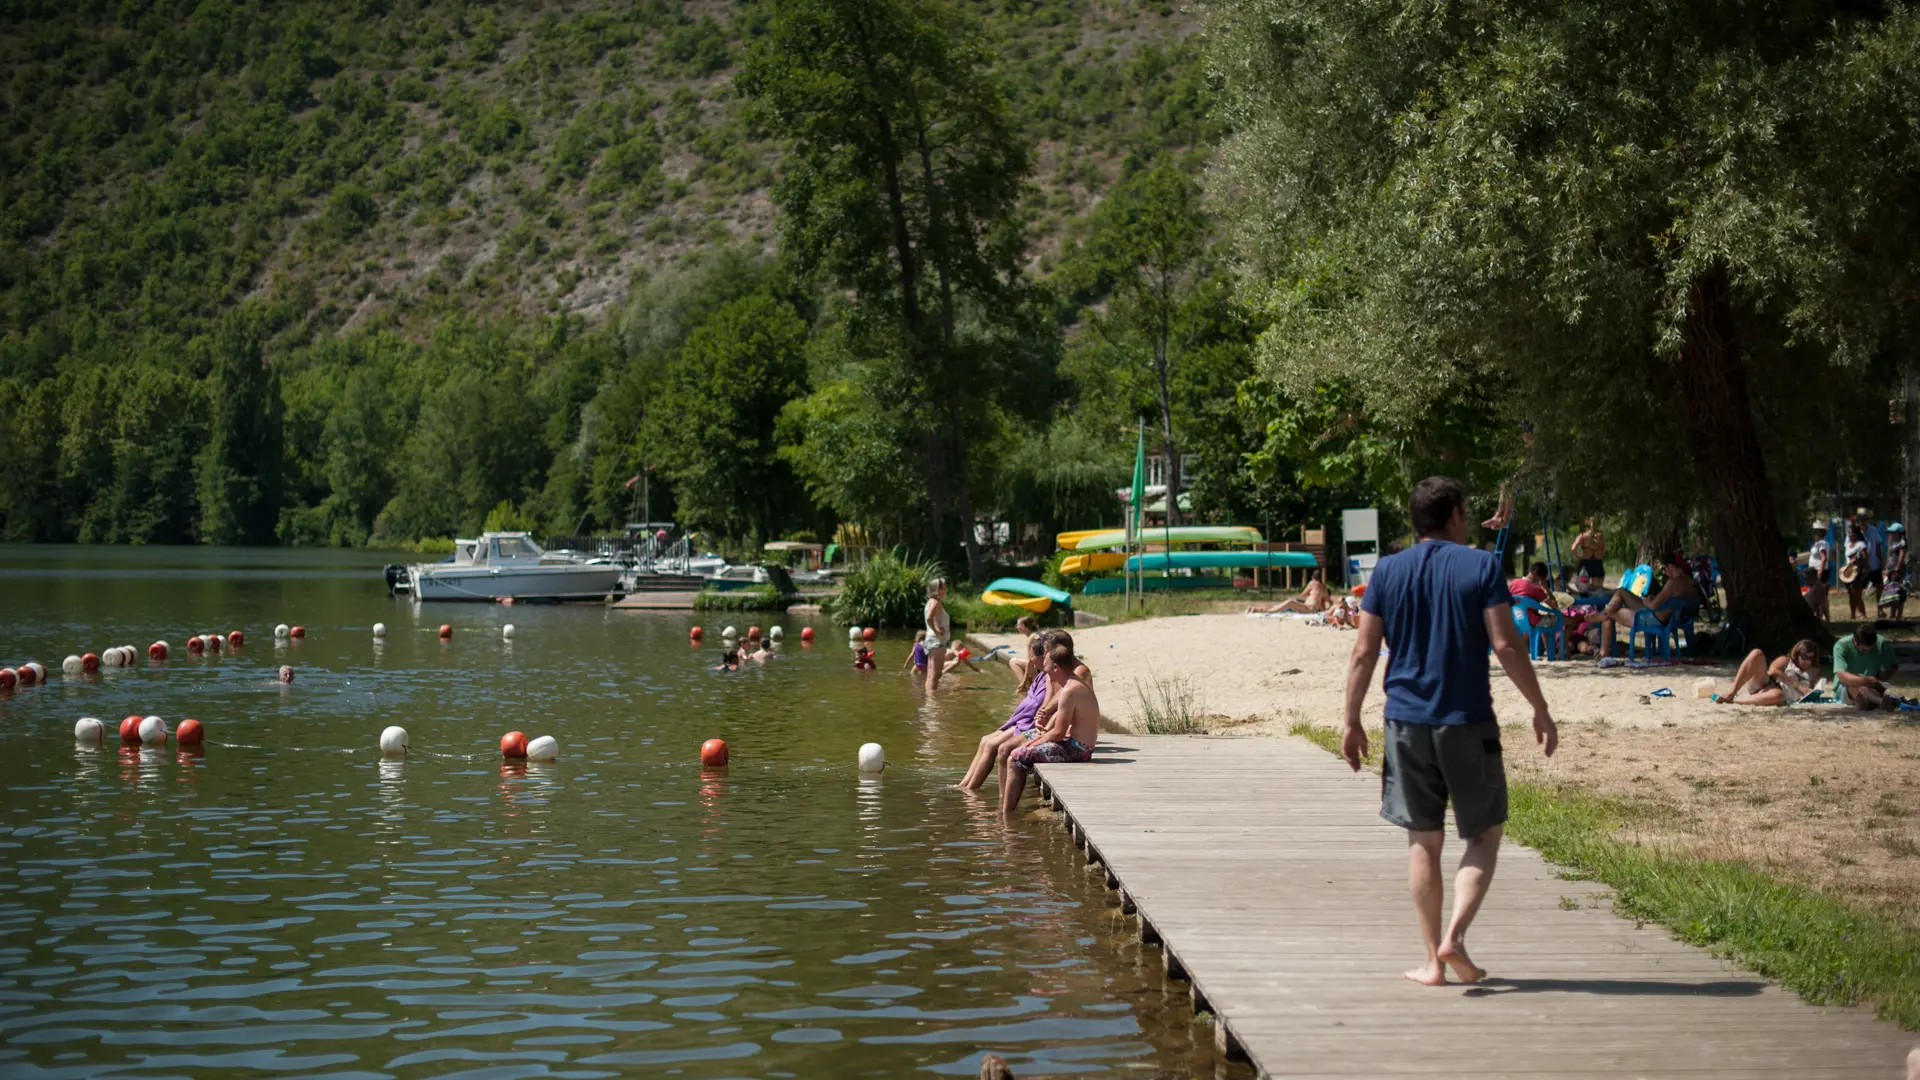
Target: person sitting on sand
{"x": 1019, "y": 728}
{"x": 1312, "y": 600}
{"x": 1783, "y": 682}
{"x": 1862, "y": 662}
{"x": 1620, "y": 609}
{"x": 1069, "y": 735}
{"x": 1344, "y": 614}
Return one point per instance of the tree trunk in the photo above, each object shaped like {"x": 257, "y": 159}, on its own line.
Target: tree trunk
{"x": 1733, "y": 472}
{"x": 963, "y": 503}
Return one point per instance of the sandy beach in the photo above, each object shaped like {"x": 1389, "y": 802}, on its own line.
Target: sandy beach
{"x": 1823, "y": 796}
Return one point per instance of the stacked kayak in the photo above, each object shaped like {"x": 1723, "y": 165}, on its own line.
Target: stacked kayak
{"x": 1097, "y": 540}
{"x": 1207, "y": 560}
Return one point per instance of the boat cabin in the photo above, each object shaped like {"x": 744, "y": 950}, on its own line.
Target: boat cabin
{"x": 498, "y": 549}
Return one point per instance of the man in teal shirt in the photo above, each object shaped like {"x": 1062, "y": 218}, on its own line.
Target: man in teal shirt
{"x": 1861, "y": 663}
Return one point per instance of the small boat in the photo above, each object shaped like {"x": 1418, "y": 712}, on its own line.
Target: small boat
{"x": 503, "y": 565}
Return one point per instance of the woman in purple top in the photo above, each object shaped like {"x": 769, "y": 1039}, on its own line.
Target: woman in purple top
{"x": 1019, "y": 727}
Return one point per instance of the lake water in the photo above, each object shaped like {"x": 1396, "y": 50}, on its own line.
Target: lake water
{"x": 289, "y": 903}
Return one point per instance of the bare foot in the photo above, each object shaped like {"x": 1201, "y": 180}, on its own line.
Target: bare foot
{"x": 1913, "y": 1064}
{"x": 1434, "y": 974}
{"x": 1454, "y": 955}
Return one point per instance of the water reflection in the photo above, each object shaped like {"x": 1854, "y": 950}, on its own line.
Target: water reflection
{"x": 298, "y": 904}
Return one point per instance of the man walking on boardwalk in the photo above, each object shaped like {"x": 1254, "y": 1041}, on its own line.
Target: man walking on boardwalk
{"x": 1438, "y": 606}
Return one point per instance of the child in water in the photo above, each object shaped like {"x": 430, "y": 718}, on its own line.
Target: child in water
{"x": 917, "y": 660}
{"x": 863, "y": 659}
{"x": 729, "y": 661}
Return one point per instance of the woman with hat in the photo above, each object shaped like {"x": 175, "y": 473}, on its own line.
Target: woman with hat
{"x": 1854, "y": 574}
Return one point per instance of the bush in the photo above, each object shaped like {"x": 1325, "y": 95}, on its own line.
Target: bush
{"x": 1168, "y": 706}
{"x": 976, "y": 614}
{"x": 757, "y": 598}
{"x": 887, "y": 591}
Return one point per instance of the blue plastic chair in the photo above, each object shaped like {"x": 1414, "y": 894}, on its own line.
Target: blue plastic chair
{"x": 1646, "y": 623}
{"x": 1549, "y": 637}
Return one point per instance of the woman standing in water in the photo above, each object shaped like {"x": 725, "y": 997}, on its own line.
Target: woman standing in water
{"x": 939, "y": 627}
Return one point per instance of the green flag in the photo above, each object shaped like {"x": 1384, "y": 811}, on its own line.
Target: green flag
{"x": 1139, "y": 481}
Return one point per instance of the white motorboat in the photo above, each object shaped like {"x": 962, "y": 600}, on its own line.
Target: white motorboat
{"x": 501, "y": 565}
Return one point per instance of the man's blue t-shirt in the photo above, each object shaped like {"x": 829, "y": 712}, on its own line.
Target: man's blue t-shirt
{"x": 1433, "y": 598}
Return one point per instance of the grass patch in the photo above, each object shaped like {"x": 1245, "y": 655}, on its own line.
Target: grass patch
{"x": 1827, "y": 951}
{"x": 1111, "y": 606}
{"x": 1168, "y": 706}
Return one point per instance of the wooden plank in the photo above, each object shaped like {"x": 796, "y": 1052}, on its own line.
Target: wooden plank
{"x": 1263, "y": 867}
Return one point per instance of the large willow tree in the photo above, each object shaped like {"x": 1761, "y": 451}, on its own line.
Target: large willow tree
{"x": 1629, "y": 221}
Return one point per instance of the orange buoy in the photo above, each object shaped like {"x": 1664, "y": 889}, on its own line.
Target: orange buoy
{"x": 446, "y": 632}
{"x": 90, "y": 662}
{"x": 29, "y": 674}
{"x": 806, "y": 634}
{"x": 157, "y": 651}
{"x": 713, "y": 754}
{"x": 236, "y": 639}
{"x": 298, "y": 631}
{"x": 513, "y": 745}
{"x": 753, "y": 633}
{"x": 213, "y": 642}
{"x": 195, "y": 646}
{"x": 8, "y": 678}
{"x": 696, "y": 633}
{"x": 189, "y": 733}
{"x": 130, "y": 730}
{"x": 869, "y": 633}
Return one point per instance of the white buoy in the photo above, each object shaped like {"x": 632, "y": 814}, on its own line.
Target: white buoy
{"x": 89, "y": 731}
{"x": 112, "y": 657}
{"x": 281, "y": 631}
{"x": 153, "y": 731}
{"x": 729, "y": 632}
{"x": 393, "y": 742}
{"x": 506, "y": 632}
{"x": 872, "y": 758}
{"x": 853, "y": 633}
{"x": 73, "y": 665}
{"x": 379, "y": 630}
{"x": 544, "y": 748}
{"x": 776, "y": 633}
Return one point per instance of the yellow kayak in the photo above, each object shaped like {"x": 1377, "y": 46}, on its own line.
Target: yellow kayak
{"x": 1036, "y": 604}
{"x": 1071, "y": 540}
{"x": 1093, "y": 562}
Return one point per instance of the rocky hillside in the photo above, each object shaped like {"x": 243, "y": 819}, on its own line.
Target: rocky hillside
{"x": 378, "y": 163}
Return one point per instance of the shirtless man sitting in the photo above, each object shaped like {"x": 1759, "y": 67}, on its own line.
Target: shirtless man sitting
{"x": 1620, "y": 609}
{"x": 1312, "y": 599}
{"x": 1069, "y": 733}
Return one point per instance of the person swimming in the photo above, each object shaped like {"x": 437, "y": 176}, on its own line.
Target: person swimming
{"x": 863, "y": 659}
{"x": 729, "y": 661}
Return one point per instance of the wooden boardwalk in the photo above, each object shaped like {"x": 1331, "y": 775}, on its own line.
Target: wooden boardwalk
{"x": 1263, "y": 869}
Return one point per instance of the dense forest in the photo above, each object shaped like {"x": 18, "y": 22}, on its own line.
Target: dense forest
{"x": 308, "y": 273}
{"x": 298, "y": 274}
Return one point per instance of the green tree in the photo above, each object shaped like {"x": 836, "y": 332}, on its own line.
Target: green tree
{"x": 1612, "y": 219}
{"x": 239, "y": 477}
{"x": 713, "y": 422}
{"x": 1147, "y": 251}
{"x": 900, "y": 183}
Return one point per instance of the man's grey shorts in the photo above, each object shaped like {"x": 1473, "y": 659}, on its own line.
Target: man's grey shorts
{"x": 1429, "y": 764}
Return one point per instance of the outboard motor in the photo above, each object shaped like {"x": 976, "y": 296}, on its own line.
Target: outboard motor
{"x": 396, "y": 578}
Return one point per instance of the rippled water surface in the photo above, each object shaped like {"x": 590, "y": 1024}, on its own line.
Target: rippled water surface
{"x": 288, "y": 903}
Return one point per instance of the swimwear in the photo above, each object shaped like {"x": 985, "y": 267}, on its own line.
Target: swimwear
{"x": 1070, "y": 751}
{"x": 1029, "y": 707}
{"x": 920, "y": 655}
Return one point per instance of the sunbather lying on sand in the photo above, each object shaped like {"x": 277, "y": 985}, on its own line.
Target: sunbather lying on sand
{"x": 1312, "y": 599}
{"x": 1782, "y": 682}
